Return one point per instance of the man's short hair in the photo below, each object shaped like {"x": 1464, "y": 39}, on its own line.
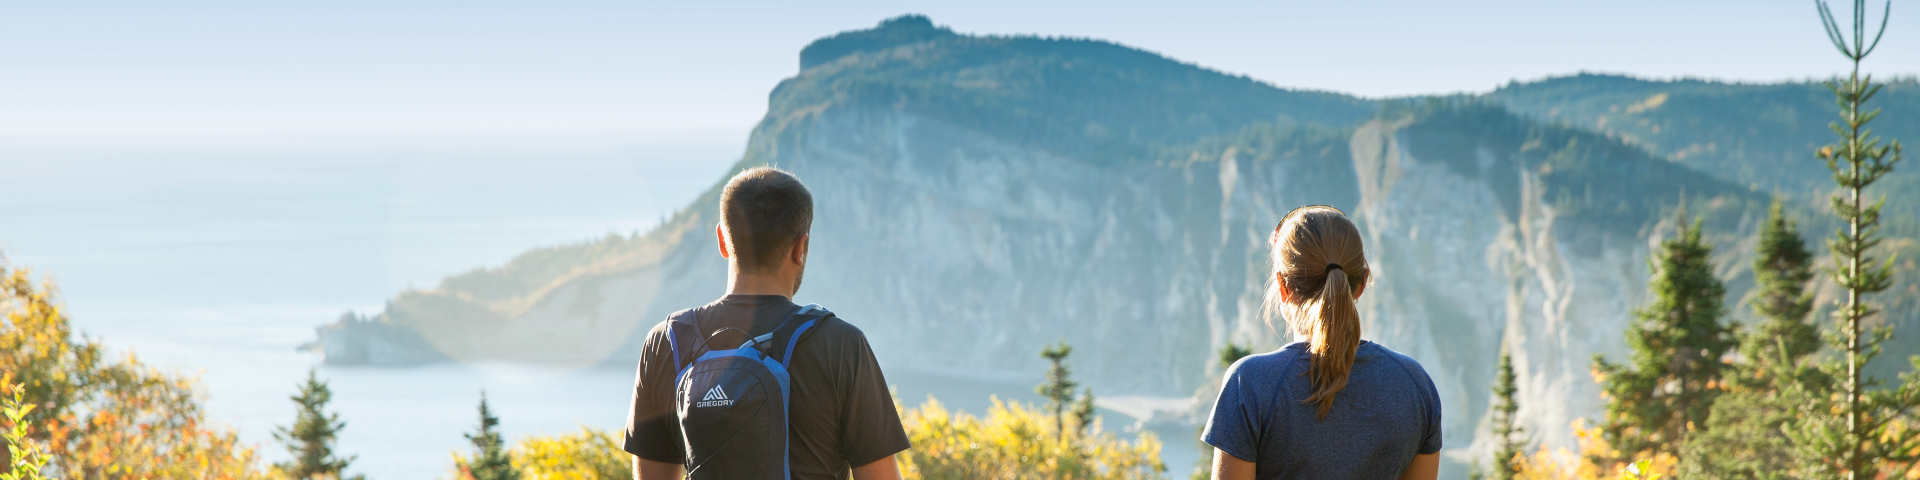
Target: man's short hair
{"x": 764, "y": 210}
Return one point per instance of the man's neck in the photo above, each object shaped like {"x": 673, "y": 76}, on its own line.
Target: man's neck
{"x": 759, "y": 284}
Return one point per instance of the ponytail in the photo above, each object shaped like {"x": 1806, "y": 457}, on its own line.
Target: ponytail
{"x": 1309, "y": 248}
{"x": 1335, "y": 338}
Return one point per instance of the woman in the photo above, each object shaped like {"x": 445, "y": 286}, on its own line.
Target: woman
{"x": 1329, "y": 405}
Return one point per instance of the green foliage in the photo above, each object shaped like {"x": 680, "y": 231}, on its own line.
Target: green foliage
{"x": 1083, "y": 411}
{"x": 1058, "y": 390}
{"x": 1750, "y": 134}
{"x": 312, "y": 435}
{"x": 1233, "y": 352}
{"x": 891, "y": 33}
{"x": 1079, "y": 98}
{"x": 1018, "y": 441}
{"x": 1512, "y": 438}
{"x": 1870, "y": 432}
{"x": 1782, "y": 266}
{"x": 490, "y": 459}
{"x": 1668, "y": 387}
{"x": 24, "y": 459}
{"x": 1594, "y": 182}
{"x": 1742, "y": 438}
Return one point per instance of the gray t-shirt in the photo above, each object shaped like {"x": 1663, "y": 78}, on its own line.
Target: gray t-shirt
{"x": 1388, "y": 412}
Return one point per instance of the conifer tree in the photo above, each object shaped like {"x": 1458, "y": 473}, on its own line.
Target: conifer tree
{"x": 1083, "y": 411}
{"x": 1782, "y": 266}
{"x": 1668, "y": 386}
{"x": 1233, "y": 352}
{"x": 1058, "y": 391}
{"x": 312, "y": 435}
{"x": 1742, "y": 439}
{"x": 1862, "y": 440}
{"x": 490, "y": 460}
{"x": 1511, "y": 437}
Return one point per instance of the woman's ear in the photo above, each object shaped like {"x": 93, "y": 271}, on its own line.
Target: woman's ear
{"x": 1286, "y": 294}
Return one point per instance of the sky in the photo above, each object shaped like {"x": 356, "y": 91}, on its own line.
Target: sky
{"x": 107, "y": 69}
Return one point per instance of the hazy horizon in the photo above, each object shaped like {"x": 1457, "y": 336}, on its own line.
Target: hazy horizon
{"x": 426, "y": 67}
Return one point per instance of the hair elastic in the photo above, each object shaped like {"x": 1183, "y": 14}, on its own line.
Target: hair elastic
{"x": 1334, "y": 266}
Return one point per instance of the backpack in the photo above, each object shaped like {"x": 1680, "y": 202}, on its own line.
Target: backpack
{"x": 732, "y": 403}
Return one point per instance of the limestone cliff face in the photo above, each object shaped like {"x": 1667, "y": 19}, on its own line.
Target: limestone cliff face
{"x": 960, "y": 253}
{"x": 1460, "y": 276}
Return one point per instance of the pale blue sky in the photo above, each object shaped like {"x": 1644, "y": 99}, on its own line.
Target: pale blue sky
{"x": 94, "y": 68}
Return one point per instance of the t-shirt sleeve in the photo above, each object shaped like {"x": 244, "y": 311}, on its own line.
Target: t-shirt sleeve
{"x": 1232, "y": 427}
{"x": 653, "y": 432}
{"x": 871, "y": 426}
{"x": 1431, "y": 442}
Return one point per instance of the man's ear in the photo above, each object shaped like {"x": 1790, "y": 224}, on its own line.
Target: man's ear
{"x": 799, "y": 254}
{"x": 720, "y": 233}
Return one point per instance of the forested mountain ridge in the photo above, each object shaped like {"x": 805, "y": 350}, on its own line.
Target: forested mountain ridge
{"x": 1759, "y": 135}
{"x": 1065, "y": 95}
{"x": 981, "y": 196}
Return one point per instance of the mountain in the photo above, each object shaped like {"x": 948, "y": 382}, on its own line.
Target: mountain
{"x": 981, "y": 196}
{"x": 1762, "y": 136}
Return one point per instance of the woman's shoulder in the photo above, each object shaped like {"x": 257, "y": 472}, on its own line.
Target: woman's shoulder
{"x": 1403, "y": 362}
{"x": 1267, "y": 365}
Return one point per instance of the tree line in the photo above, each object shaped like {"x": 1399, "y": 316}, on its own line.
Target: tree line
{"x": 1700, "y": 397}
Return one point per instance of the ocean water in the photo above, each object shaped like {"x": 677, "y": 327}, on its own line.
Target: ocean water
{"x": 217, "y": 256}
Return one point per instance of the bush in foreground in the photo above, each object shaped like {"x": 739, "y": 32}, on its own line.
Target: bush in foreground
{"x": 99, "y": 417}
{"x": 1018, "y": 441}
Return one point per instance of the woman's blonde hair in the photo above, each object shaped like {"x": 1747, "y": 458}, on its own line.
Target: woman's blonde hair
{"x": 1318, "y": 256}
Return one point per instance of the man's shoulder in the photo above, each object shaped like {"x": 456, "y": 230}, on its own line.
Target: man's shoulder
{"x": 836, "y": 331}
{"x": 660, "y": 328}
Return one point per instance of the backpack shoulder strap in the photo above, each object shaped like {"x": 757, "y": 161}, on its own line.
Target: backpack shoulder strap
{"x": 682, "y": 329}
{"x": 780, "y": 342}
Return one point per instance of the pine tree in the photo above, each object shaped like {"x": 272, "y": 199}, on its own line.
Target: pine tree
{"x": 1668, "y": 386}
{"x": 1058, "y": 391}
{"x": 1233, "y": 352}
{"x": 311, "y": 438}
{"x": 1083, "y": 412}
{"x": 1862, "y": 440}
{"x": 490, "y": 460}
{"x": 1742, "y": 439}
{"x": 1511, "y": 437}
{"x": 1782, "y": 266}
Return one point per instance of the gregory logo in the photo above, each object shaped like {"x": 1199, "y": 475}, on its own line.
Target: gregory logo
{"x": 715, "y": 398}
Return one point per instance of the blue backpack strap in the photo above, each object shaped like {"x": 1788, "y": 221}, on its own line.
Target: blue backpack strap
{"x": 684, "y": 319}
{"x": 781, "y": 341}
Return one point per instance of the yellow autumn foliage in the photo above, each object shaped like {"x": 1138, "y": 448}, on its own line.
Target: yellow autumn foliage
{"x": 1564, "y": 464}
{"x": 104, "y": 418}
{"x": 1018, "y": 441}
{"x": 584, "y": 455}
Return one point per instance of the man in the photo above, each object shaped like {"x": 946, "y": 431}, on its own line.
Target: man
{"x": 841, "y": 414}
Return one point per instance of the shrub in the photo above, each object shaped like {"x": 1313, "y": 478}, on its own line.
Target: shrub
{"x": 1018, "y": 441}
{"x": 101, "y": 418}
{"x": 584, "y": 455}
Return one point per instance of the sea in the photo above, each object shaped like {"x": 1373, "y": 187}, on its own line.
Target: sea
{"x": 216, "y": 256}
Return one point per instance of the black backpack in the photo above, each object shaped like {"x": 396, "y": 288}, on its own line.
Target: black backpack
{"x": 732, "y": 404}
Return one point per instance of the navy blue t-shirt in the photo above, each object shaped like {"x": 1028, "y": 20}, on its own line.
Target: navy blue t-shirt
{"x": 1388, "y": 412}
